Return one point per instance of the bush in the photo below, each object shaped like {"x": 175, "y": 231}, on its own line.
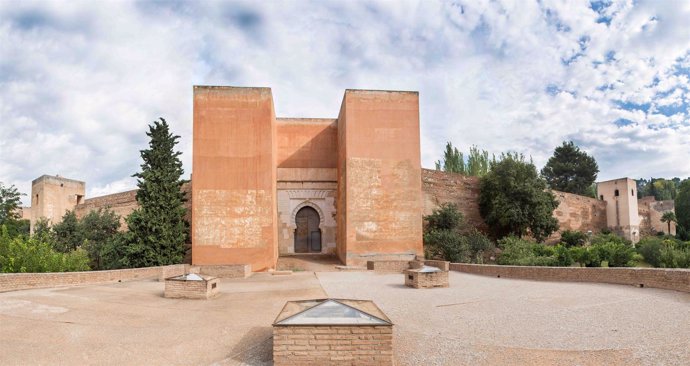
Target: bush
{"x": 446, "y": 217}
{"x": 563, "y": 256}
{"x": 573, "y": 238}
{"x": 479, "y": 245}
{"x": 650, "y": 249}
{"x": 665, "y": 252}
{"x": 603, "y": 238}
{"x": 586, "y": 256}
{"x": 617, "y": 254}
{"x": 520, "y": 252}
{"x": 447, "y": 237}
{"x": 35, "y": 254}
{"x": 448, "y": 245}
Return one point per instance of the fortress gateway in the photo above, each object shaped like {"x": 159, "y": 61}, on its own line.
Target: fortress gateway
{"x": 353, "y": 186}
{"x": 264, "y": 186}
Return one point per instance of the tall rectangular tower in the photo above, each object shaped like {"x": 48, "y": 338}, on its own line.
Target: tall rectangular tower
{"x": 379, "y": 206}
{"x": 234, "y": 177}
{"x": 52, "y": 196}
{"x": 622, "y": 215}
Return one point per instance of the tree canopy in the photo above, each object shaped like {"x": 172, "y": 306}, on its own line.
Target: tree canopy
{"x": 477, "y": 163}
{"x": 570, "y": 170}
{"x": 10, "y": 211}
{"x": 682, "y": 208}
{"x": 10, "y": 201}
{"x": 157, "y": 230}
{"x": 662, "y": 189}
{"x": 513, "y": 200}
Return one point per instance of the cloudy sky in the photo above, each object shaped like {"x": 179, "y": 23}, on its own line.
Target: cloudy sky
{"x": 80, "y": 81}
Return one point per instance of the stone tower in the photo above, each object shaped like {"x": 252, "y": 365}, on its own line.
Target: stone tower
{"x": 622, "y": 215}
{"x": 51, "y": 196}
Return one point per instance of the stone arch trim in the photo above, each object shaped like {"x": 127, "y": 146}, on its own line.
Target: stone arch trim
{"x": 306, "y": 203}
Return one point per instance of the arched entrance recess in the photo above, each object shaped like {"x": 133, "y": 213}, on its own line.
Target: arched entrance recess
{"x": 307, "y": 231}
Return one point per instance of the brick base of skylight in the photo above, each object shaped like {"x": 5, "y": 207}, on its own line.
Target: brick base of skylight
{"x": 418, "y": 279}
{"x": 177, "y": 288}
{"x": 333, "y": 345}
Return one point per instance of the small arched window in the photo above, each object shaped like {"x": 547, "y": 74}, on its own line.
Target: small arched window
{"x": 632, "y": 192}
{"x": 616, "y": 193}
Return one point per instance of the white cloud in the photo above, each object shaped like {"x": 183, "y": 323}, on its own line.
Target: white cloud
{"x": 80, "y": 81}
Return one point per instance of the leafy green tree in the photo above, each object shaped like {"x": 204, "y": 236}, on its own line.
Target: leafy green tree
{"x": 478, "y": 162}
{"x": 67, "y": 234}
{"x": 573, "y": 238}
{"x": 446, "y": 236}
{"x": 157, "y": 230}
{"x": 570, "y": 170}
{"x": 35, "y": 254}
{"x": 42, "y": 229}
{"x": 453, "y": 160}
{"x": 446, "y": 217}
{"x": 682, "y": 208}
{"x": 662, "y": 189}
{"x": 10, "y": 211}
{"x": 668, "y": 217}
{"x": 99, "y": 230}
{"x": 513, "y": 200}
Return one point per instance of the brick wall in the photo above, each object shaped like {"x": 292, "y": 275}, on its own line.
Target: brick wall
{"x": 669, "y": 279}
{"x": 650, "y": 212}
{"x": 332, "y": 345}
{"x": 123, "y": 203}
{"x": 179, "y": 289}
{"x": 388, "y": 266}
{"x": 580, "y": 213}
{"x": 417, "y": 279}
{"x": 574, "y": 212}
{"x": 226, "y": 271}
{"x": 440, "y": 187}
{"x": 23, "y": 281}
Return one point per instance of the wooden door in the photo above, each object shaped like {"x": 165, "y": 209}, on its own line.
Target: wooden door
{"x": 307, "y": 233}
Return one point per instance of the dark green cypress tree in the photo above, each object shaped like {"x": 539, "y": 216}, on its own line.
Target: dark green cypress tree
{"x": 157, "y": 230}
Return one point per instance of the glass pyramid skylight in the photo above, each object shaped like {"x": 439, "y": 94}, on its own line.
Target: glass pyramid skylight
{"x": 331, "y": 312}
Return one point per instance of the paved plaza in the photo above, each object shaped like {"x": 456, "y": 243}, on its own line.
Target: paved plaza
{"x": 476, "y": 321}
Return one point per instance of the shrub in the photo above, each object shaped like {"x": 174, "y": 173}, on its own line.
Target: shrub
{"x": 446, "y": 217}
{"x": 573, "y": 238}
{"x": 447, "y": 237}
{"x": 447, "y": 244}
{"x": 35, "y": 254}
{"x": 603, "y": 238}
{"x": 650, "y": 249}
{"x": 586, "y": 256}
{"x": 563, "y": 256}
{"x": 617, "y": 254}
{"x": 520, "y": 252}
{"x": 479, "y": 245}
{"x": 665, "y": 252}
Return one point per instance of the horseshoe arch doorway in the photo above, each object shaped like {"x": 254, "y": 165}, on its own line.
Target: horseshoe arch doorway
{"x": 307, "y": 233}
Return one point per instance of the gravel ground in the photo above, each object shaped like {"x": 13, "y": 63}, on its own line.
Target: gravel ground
{"x": 477, "y": 321}
{"x": 485, "y": 320}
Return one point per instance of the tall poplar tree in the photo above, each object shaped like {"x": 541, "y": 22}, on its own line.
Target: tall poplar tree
{"x": 157, "y": 230}
{"x": 453, "y": 161}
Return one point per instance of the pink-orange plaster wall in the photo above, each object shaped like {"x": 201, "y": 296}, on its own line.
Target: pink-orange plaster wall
{"x": 234, "y": 177}
{"x": 380, "y": 204}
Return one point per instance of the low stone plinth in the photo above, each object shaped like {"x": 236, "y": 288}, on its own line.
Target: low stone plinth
{"x": 191, "y": 286}
{"x": 426, "y": 277}
{"x": 332, "y": 332}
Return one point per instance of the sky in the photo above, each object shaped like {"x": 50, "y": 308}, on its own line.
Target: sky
{"x": 80, "y": 81}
